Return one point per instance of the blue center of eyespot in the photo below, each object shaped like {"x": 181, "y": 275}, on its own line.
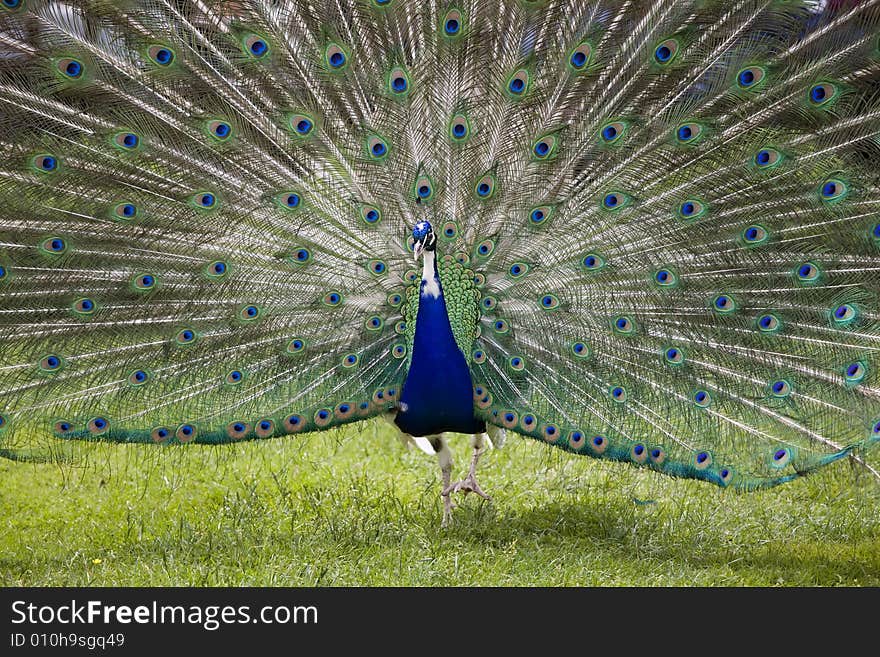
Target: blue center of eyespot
{"x": 655, "y": 453}
{"x": 147, "y": 281}
{"x": 551, "y": 430}
{"x": 56, "y": 245}
{"x": 853, "y": 369}
{"x": 99, "y": 423}
{"x": 547, "y": 300}
{"x": 399, "y": 83}
{"x": 687, "y": 209}
{"x": 334, "y": 298}
{"x": 293, "y": 200}
{"x": 337, "y": 59}
{"x": 64, "y": 426}
{"x": 622, "y": 323}
{"x": 12, "y": 4}
{"x": 2, "y": 272}
{"x": 829, "y": 189}
{"x": 302, "y": 255}
{"x": 611, "y": 200}
{"x": 515, "y": 362}
{"x": 130, "y": 140}
{"x": 372, "y": 216}
{"x": 186, "y": 429}
{"x": 515, "y": 270}
{"x": 638, "y": 450}
{"x": 52, "y": 361}
{"x": 663, "y": 53}
{"x": 537, "y": 215}
{"x": 517, "y": 85}
{"x": 73, "y": 68}
{"x": 840, "y": 312}
{"x": 128, "y": 210}
{"x": 598, "y": 441}
{"x": 609, "y": 132}
{"x": 817, "y": 93}
{"x": 219, "y": 267}
{"x": 258, "y": 47}
{"x": 542, "y": 148}
{"x": 235, "y": 375}
{"x": 578, "y": 59}
{"x": 187, "y": 335}
{"x": 207, "y": 199}
{"x": 805, "y": 271}
{"x": 451, "y": 26}
{"x": 87, "y": 304}
{"x": 222, "y": 129}
{"x": 323, "y": 414}
{"x": 424, "y": 190}
{"x": 746, "y": 78}
{"x": 251, "y": 311}
{"x": 297, "y": 344}
{"x": 700, "y": 397}
{"x": 778, "y": 386}
{"x": 662, "y": 276}
{"x": 722, "y": 302}
{"x": 590, "y": 261}
{"x": 763, "y": 157}
{"x": 751, "y": 233}
{"x": 163, "y": 55}
{"x": 684, "y": 133}
{"x": 877, "y": 428}
{"x": 238, "y": 427}
{"x": 766, "y": 321}
{"x": 303, "y": 126}
{"x": 378, "y": 148}
{"x": 459, "y": 129}
{"x": 617, "y": 392}
{"x": 293, "y": 420}
{"x": 702, "y": 457}
{"x": 482, "y": 190}
{"x": 265, "y": 425}
{"x": 48, "y": 163}
{"x": 780, "y": 454}
{"x": 672, "y": 353}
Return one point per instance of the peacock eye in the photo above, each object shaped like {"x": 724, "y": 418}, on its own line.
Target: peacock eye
{"x": 750, "y": 77}
{"x": 256, "y": 46}
{"x": 822, "y": 94}
{"x": 688, "y": 133}
{"x": 691, "y": 209}
{"x": 335, "y": 56}
{"x": 613, "y": 132}
{"x": 452, "y": 23}
{"x": 161, "y": 55}
{"x": 518, "y": 83}
{"x": 666, "y": 52}
{"x": 832, "y": 189}
{"x": 579, "y": 58}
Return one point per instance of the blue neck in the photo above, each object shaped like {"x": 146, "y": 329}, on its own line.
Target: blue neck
{"x": 437, "y": 394}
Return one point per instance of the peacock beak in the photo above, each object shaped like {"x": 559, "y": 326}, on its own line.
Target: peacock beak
{"x": 418, "y": 249}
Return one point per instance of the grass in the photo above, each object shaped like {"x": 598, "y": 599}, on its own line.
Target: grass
{"x": 356, "y": 508}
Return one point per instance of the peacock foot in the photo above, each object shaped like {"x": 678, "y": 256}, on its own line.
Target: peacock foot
{"x": 467, "y": 485}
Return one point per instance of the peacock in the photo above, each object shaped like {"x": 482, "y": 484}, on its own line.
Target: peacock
{"x": 645, "y": 231}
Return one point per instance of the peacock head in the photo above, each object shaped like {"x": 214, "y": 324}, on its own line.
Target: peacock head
{"x": 424, "y": 238}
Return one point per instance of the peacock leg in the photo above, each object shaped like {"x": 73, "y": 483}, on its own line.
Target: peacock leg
{"x": 469, "y": 484}
{"x": 444, "y": 456}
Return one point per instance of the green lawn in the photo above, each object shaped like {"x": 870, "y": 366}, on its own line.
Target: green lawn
{"x": 356, "y": 508}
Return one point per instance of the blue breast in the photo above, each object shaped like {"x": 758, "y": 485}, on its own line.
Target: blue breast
{"x": 438, "y": 392}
